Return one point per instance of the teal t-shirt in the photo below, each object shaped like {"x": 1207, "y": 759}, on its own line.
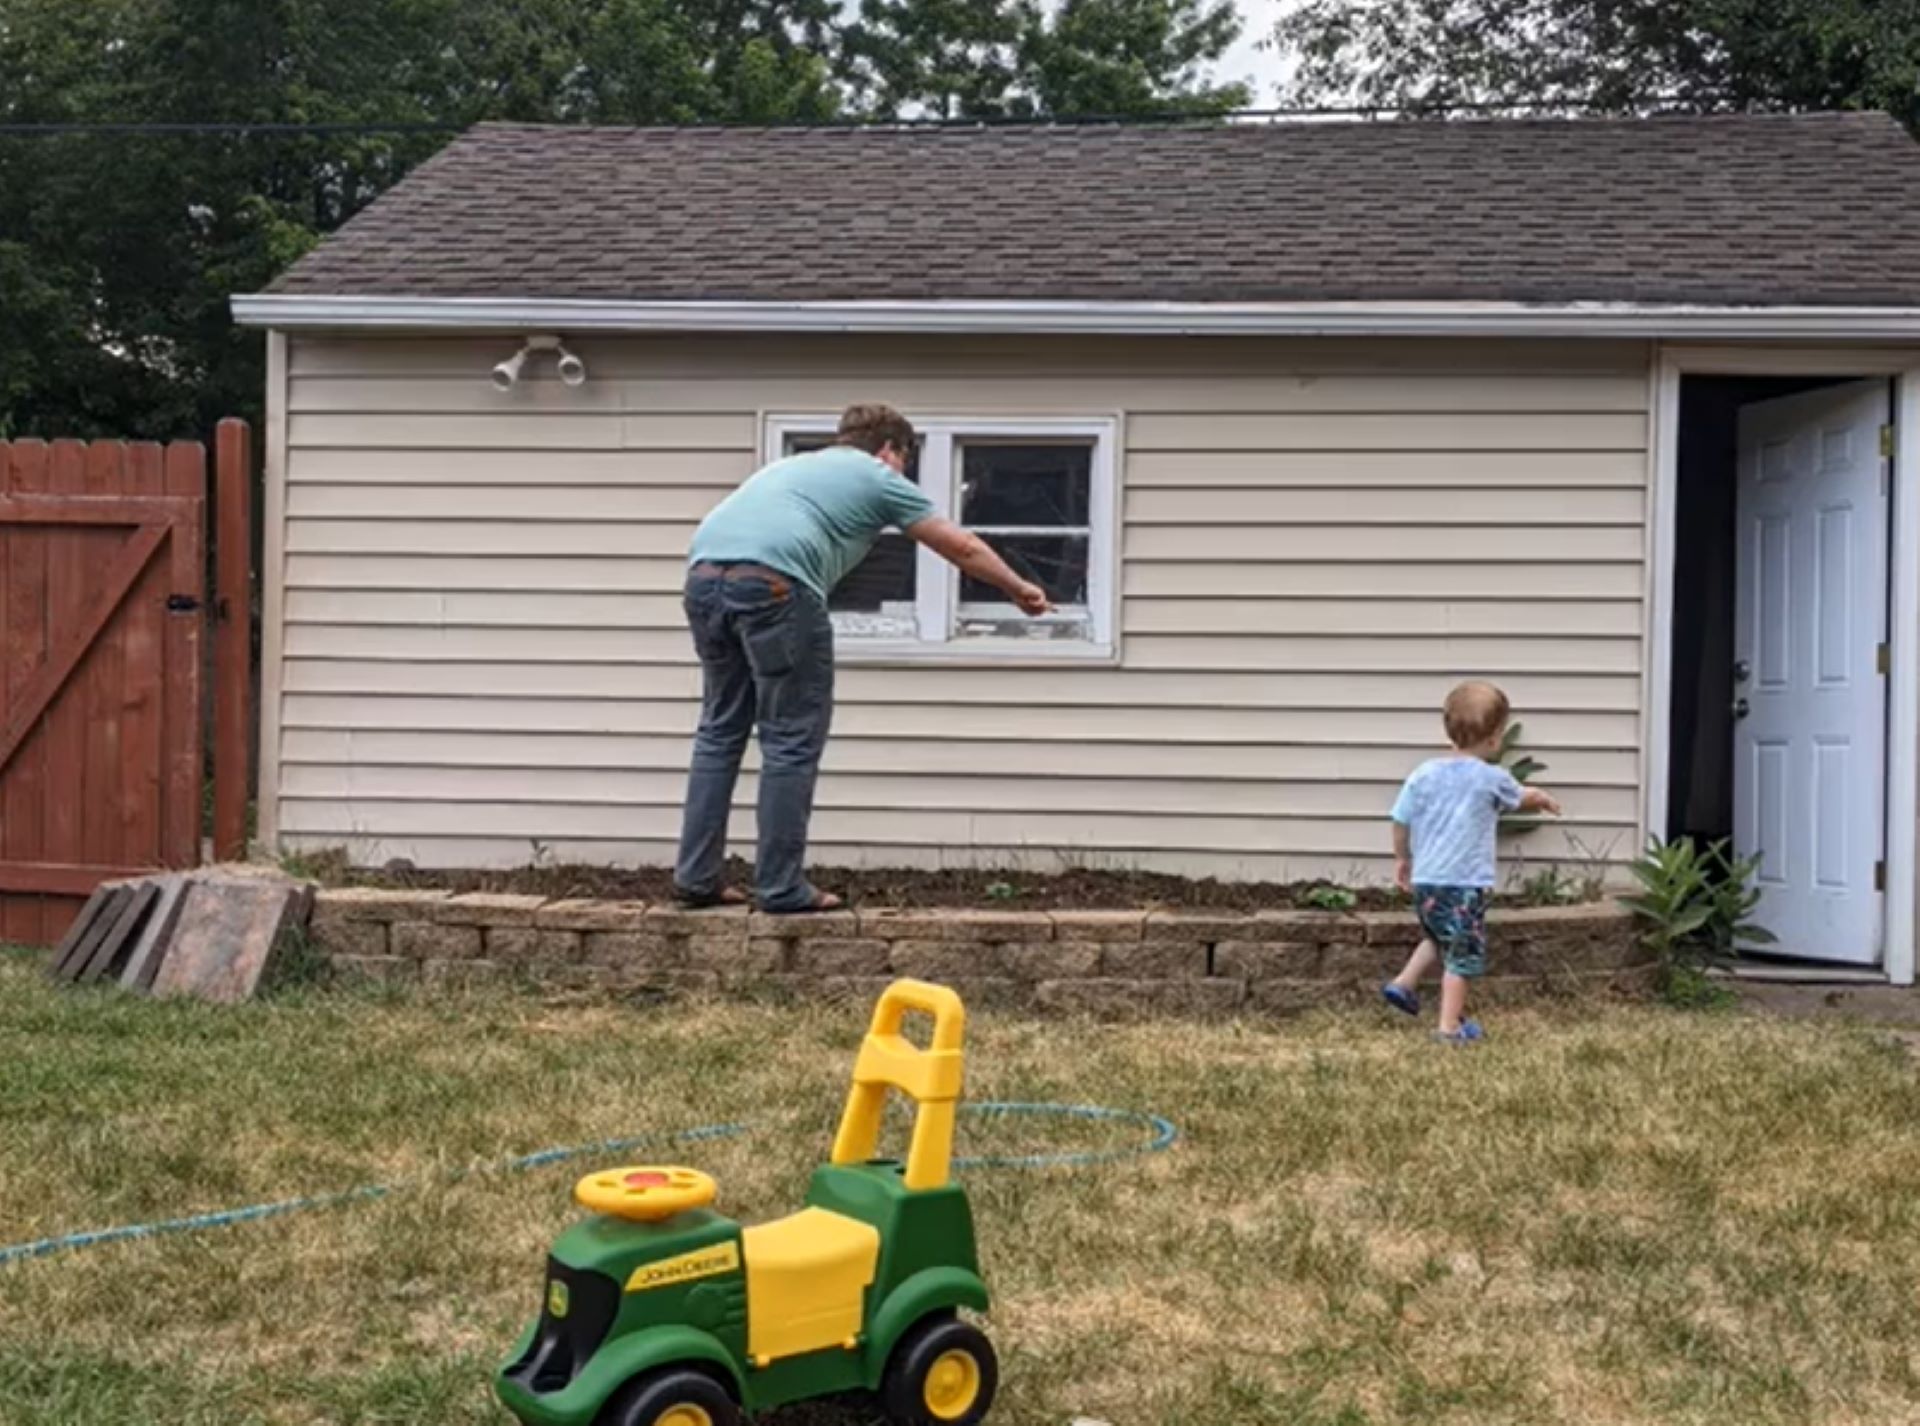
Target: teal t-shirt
{"x": 813, "y": 516}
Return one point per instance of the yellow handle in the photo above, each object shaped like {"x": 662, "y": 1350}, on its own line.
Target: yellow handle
{"x": 938, "y": 1001}
{"x": 931, "y": 1077}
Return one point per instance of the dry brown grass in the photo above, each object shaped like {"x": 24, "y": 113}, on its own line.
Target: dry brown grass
{"x": 1643, "y": 1217}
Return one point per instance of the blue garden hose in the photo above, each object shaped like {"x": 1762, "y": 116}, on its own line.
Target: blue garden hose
{"x": 1164, "y": 1133}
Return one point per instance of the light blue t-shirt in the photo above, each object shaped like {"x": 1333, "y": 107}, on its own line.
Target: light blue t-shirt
{"x": 1451, "y": 809}
{"x": 813, "y": 516}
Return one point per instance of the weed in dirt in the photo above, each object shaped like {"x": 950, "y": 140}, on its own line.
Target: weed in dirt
{"x": 1690, "y": 987}
{"x": 1549, "y": 887}
{"x": 1329, "y": 898}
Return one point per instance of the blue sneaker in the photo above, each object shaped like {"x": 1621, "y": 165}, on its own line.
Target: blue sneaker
{"x": 1469, "y": 1033}
{"x": 1405, "y": 1001}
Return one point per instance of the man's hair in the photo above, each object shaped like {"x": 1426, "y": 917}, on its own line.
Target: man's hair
{"x": 1474, "y": 713}
{"x": 869, "y": 428}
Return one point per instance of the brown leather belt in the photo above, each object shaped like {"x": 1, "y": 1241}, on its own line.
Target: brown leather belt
{"x": 707, "y": 569}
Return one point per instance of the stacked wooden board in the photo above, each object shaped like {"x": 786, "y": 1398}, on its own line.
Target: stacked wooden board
{"x": 208, "y": 933}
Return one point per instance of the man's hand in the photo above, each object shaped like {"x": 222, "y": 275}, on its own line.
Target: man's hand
{"x": 1403, "y": 874}
{"x": 1533, "y": 799}
{"x": 1032, "y": 600}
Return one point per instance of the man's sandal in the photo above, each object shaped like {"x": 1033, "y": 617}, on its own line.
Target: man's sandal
{"x": 822, "y": 901}
{"x": 707, "y": 901}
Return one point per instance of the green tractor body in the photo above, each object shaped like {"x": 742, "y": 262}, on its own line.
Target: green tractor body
{"x": 868, "y": 1263}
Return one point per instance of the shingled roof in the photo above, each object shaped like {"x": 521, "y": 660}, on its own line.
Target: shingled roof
{"x": 1815, "y": 210}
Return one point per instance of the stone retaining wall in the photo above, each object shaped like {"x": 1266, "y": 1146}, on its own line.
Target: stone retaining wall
{"x": 1098, "y": 962}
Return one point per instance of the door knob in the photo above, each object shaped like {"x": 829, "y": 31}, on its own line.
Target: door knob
{"x": 1742, "y": 671}
{"x": 1740, "y": 708}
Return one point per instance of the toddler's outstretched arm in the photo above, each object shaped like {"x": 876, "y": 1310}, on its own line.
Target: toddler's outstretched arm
{"x": 1534, "y": 799}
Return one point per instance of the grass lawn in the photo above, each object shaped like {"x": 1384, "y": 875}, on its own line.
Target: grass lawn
{"x": 1645, "y": 1216}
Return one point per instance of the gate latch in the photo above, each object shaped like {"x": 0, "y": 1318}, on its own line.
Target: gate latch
{"x": 182, "y": 604}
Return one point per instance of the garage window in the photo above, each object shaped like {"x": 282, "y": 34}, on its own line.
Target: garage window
{"x": 1041, "y": 493}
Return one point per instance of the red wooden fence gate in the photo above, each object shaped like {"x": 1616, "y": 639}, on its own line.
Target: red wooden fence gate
{"x": 102, "y": 583}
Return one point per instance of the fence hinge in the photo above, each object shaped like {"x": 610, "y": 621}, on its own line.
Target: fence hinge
{"x": 182, "y": 604}
{"x": 1879, "y": 876}
{"x": 1882, "y": 658}
{"x": 1886, "y": 443}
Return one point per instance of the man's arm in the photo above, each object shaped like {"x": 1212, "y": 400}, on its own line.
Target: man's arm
{"x": 973, "y": 556}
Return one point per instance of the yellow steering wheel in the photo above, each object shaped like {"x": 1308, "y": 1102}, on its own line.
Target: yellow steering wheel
{"x": 646, "y": 1193}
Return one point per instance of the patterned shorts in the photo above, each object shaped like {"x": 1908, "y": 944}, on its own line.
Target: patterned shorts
{"x": 1455, "y": 918}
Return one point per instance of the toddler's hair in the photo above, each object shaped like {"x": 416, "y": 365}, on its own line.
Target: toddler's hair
{"x": 1474, "y": 713}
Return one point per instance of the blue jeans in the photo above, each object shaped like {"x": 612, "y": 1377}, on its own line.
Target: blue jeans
{"x": 766, "y": 649}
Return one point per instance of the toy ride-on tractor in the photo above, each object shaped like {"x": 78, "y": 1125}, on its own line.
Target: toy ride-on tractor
{"x": 661, "y": 1312}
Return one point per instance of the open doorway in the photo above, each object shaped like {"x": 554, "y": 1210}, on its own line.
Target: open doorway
{"x": 1780, "y": 608}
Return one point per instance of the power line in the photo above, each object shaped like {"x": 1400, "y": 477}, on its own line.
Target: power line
{"x": 1171, "y": 116}
{"x": 29, "y": 131}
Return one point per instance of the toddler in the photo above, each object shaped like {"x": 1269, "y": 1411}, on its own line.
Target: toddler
{"x": 1444, "y": 824}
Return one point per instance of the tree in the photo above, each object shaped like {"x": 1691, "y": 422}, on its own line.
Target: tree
{"x": 1023, "y": 58}
{"x": 119, "y": 252}
{"x": 1130, "y": 57}
{"x": 1616, "y": 55}
{"x": 947, "y": 58}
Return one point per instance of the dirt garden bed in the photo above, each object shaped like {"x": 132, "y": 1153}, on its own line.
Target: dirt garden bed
{"x": 1084, "y": 890}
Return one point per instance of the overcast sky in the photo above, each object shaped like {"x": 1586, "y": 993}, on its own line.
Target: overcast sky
{"x": 1247, "y": 62}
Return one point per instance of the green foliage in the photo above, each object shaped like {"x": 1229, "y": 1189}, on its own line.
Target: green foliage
{"x": 1131, "y": 57}
{"x": 1000, "y": 58}
{"x": 1734, "y": 898}
{"x": 328, "y": 867}
{"x": 1522, "y": 768}
{"x": 1329, "y": 898}
{"x": 1002, "y": 891}
{"x": 1550, "y": 886}
{"x": 1695, "y": 904}
{"x": 1674, "y": 901}
{"x": 119, "y": 252}
{"x": 950, "y": 58}
{"x": 1689, "y": 987}
{"x": 1624, "y": 56}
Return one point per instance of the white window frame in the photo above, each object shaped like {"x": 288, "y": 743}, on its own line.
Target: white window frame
{"x": 937, "y": 583}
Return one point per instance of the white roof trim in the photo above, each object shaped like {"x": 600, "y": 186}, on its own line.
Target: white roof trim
{"x": 295, "y": 312}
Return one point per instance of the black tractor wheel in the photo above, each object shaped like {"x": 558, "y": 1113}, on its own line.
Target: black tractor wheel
{"x": 675, "y": 1396}
{"x": 943, "y": 1373}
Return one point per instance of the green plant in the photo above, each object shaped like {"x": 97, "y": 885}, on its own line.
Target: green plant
{"x": 297, "y": 963}
{"x": 1002, "y": 891}
{"x": 1590, "y": 865}
{"x": 1689, "y": 987}
{"x": 1735, "y": 898}
{"x": 1329, "y": 898}
{"x": 1674, "y": 903}
{"x": 1550, "y": 886}
{"x": 1694, "y": 905}
{"x": 1522, "y": 768}
{"x": 328, "y": 865}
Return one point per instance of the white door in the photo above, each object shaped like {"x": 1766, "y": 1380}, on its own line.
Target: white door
{"x": 1810, "y": 729}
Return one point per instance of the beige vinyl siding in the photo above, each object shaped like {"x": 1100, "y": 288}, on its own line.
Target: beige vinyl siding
{"x": 484, "y": 659}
